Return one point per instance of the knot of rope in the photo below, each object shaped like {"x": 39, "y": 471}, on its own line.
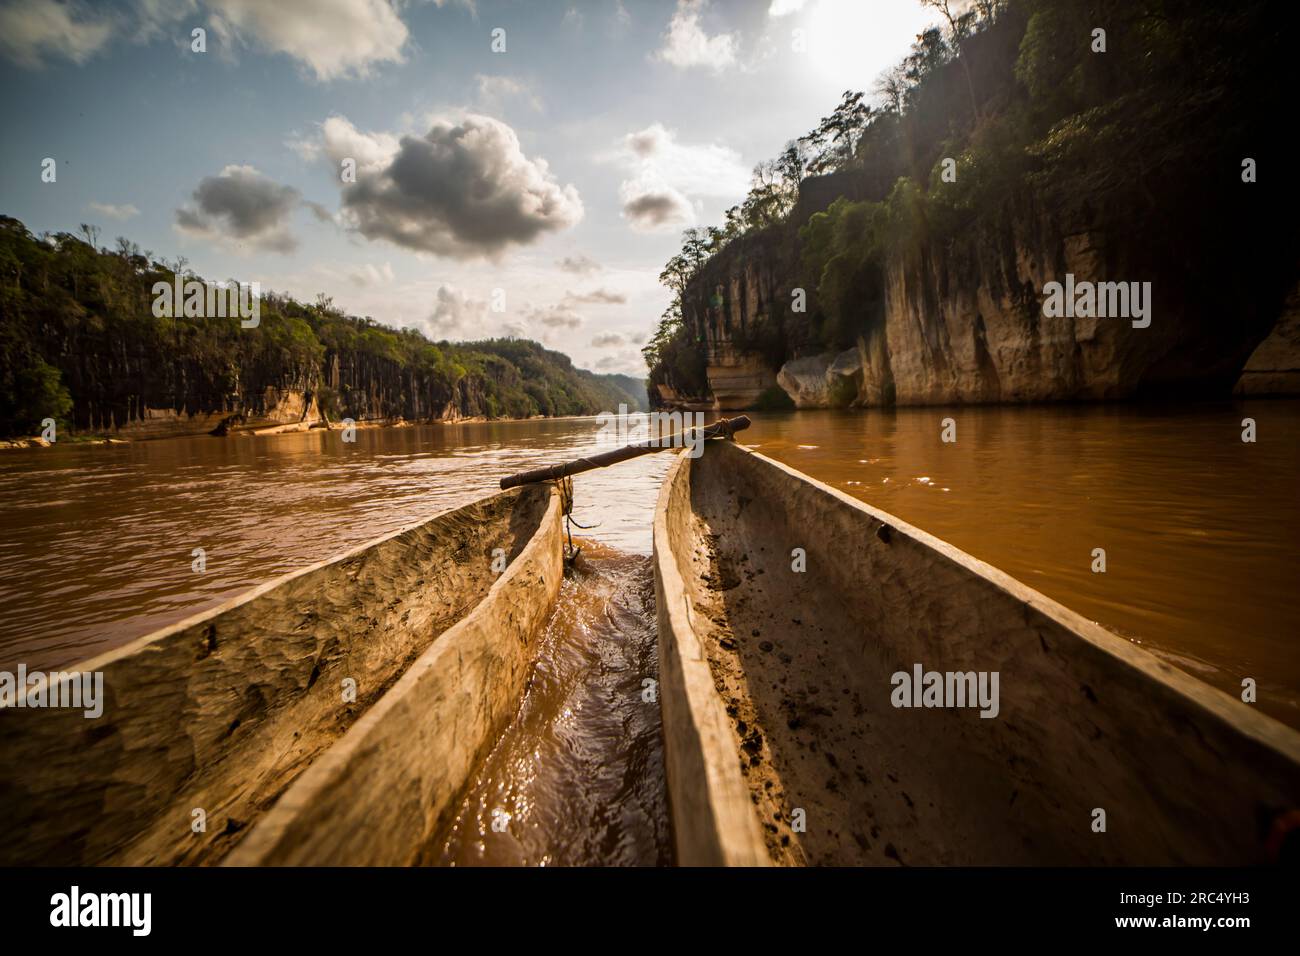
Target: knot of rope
{"x": 564, "y": 486}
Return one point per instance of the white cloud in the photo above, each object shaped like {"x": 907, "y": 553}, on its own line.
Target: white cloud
{"x": 307, "y": 148}
{"x": 493, "y": 91}
{"x": 34, "y": 31}
{"x": 370, "y": 274}
{"x": 157, "y": 17}
{"x": 341, "y": 140}
{"x": 651, "y": 208}
{"x": 455, "y": 314}
{"x": 608, "y": 340}
{"x": 629, "y": 362}
{"x": 120, "y": 212}
{"x": 783, "y": 8}
{"x": 333, "y": 38}
{"x": 686, "y": 45}
{"x": 596, "y": 297}
{"x": 554, "y": 316}
{"x": 663, "y": 175}
{"x": 463, "y": 190}
{"x": 707, "y": 169}
{"x": 582, "y": 265}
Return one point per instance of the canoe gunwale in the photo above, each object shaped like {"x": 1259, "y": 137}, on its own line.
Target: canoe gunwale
{"x": 709, "y": 802}
{"x": 159, "y": 636}
{"x": 219, "y": 711}
{"x": 1261, "y": 727}
{"x": 1176, "y": 703}
{"x": 319, "y": 820}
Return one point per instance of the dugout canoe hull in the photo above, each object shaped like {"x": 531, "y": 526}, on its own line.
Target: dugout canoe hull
{"x": 379, "y": 795}
{"x": 777, "y": 692}
{"x": 209, "y": 722}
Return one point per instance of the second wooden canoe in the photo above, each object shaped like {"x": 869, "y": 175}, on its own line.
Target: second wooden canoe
{"x": 786, "y": 610}
{"x": 208, "y": 723}
{"x": 379, "y": 795}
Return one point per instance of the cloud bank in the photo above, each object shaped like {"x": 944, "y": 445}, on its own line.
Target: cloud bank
{"x": 330, "y": 38}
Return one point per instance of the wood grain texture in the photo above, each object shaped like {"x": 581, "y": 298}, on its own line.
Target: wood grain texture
{"x": 800, "y": 668}
{"x": 379, "y": 794}
{"x": 709, "y": 800}
{"x": 223, "y": 711}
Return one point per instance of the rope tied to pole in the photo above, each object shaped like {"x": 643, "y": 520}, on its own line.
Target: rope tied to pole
{"x": 564, "y": 486}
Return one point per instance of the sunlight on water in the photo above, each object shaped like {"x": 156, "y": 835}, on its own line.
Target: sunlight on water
{"x": 577, "y": 778}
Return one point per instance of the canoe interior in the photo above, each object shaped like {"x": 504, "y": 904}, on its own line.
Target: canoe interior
{"x": 224, "y": 711}
{"x": 801, "y": 667}
{"x": 378, "y": 795}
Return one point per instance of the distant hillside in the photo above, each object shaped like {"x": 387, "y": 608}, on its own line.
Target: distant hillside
{"x": 79, "y": 343}
{"x": 633, "y": 390}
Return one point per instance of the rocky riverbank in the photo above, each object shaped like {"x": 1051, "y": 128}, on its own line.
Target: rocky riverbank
{"x": 246, "y": 430}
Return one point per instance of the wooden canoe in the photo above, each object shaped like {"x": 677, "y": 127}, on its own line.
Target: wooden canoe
{"x": 776, "y": 690}
{"x": 225, "y": 712}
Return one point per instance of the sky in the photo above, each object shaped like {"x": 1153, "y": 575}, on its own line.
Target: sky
{"x": 469, "y": 168}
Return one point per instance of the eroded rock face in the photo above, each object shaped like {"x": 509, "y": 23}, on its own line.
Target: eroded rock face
{"x": 1274, "y": 367}
{"x": 968, "y": 326}
{"x": 738, "y": 379}
{"x": 976, "y": 331}
{"x": 725, "y": 312}
{"x": 828, "y": 380}
{"x": 274, "y": 406}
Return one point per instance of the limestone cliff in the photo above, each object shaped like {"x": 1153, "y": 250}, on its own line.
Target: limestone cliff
{"x": 964, "y": 323}
{"x": 971, "y": 328}
{"x": 734, "y": 309}
{"x": 148, "y": 398}
{"x": 1274, "y": 368}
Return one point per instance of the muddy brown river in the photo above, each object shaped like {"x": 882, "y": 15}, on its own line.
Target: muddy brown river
{"x": 1201, "y": 533}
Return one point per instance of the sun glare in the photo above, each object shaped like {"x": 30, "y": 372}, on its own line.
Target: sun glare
{"x": 852, "y": 41}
